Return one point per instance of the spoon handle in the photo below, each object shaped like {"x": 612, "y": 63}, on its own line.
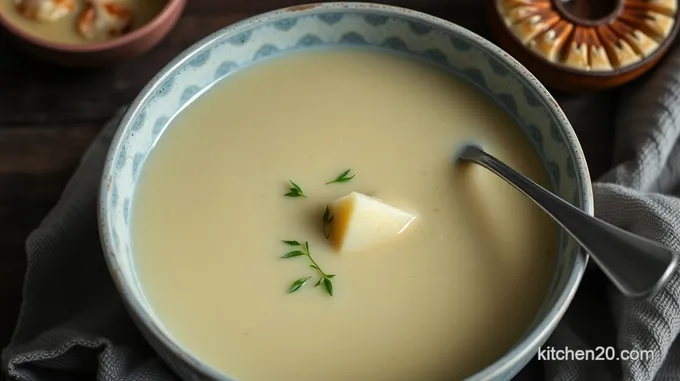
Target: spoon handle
{"x": 637, "y": 266}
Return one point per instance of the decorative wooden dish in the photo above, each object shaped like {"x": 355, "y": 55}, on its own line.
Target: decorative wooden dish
{"x": 587, "y": 44}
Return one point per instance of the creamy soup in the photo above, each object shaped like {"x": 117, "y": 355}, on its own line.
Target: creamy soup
{"x": 440, "y": 301}
{"x": 79, "y": 21}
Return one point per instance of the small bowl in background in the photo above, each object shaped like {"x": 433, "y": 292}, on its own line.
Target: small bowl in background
{"x": 116, "y": 50}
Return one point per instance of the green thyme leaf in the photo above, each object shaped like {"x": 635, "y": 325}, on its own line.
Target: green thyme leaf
{"x": 295, "y": 190}
{"x": 291, "y": 243}
{"x": 297, "y": 284}
{"x": 342, "y": 178}
{"x": 293, "y": 254}
{"x": 327, "y": 220}
{"x": 328, "y": 285}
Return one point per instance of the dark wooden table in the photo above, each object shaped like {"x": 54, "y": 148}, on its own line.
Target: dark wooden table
{"x": 49, "y": 115}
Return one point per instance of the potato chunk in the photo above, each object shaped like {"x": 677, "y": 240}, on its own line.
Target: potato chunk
{"x": 361, "y": 221}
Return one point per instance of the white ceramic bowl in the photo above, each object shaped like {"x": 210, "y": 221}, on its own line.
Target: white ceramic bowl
{"x": 334, "y": 25}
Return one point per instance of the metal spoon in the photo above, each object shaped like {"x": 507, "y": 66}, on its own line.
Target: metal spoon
{"x": 637, "y": 266}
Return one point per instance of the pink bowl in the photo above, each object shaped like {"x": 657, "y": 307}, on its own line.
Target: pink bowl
{"x": 135, "y": 43}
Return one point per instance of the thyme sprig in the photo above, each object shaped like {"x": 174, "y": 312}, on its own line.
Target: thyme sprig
{"x": 327, "y": 220}
{"x": 342, "y": 178}
{"x": 303, "y": 250}
{"x": 295, "y": 190}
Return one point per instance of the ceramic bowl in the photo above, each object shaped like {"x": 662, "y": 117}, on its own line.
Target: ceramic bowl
{"x": 117, "y": 50}
{"x": 332, "y": 26}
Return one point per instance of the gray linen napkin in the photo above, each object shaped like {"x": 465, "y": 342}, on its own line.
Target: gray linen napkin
{"x": 73, "y": 325}
{"x": 638, "y": 194}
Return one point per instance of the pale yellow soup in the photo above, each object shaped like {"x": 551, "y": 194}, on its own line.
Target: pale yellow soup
{"x": 64, "y": 30}
{"x": 439, "y": 302}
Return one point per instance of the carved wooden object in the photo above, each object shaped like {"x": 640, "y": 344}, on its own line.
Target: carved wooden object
{"x": 587, "y": 44}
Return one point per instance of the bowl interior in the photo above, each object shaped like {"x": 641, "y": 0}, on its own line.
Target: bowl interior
{"x": 333, "y": 25}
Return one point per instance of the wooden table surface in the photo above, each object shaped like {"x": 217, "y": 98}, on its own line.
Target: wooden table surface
{"x": 49, "y": 115}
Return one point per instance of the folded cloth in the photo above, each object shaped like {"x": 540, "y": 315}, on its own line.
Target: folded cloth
{"x": 638, "y": 194}
{"x": 73, "y": 325}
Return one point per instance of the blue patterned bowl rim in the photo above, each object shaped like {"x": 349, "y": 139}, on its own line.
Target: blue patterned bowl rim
{"x": 499, "y": 369}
